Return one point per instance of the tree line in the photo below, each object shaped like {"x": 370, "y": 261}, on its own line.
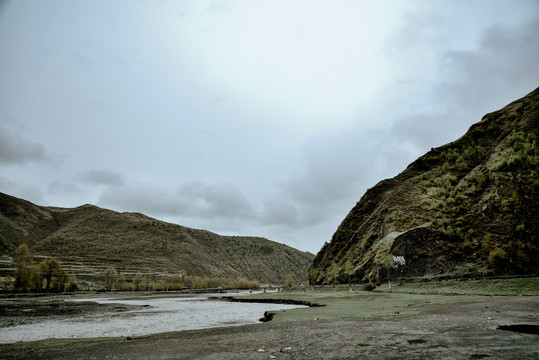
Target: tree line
{"x": 47, "y": 275}
{"x": 145, "y": 281}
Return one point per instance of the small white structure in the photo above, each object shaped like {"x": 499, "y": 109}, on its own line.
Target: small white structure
{"x": 399, "y": 261}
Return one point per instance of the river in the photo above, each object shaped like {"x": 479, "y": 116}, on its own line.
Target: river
{"x": 162, "y": 315}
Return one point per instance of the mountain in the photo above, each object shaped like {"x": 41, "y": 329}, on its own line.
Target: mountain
{"x": 88, "y": 239}
{"x": 464, "y": 209}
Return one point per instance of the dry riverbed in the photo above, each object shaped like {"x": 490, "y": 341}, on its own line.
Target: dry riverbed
{"x": 356, "y": 325}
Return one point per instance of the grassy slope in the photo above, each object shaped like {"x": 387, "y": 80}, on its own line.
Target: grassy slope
{"x": 468, "y": 198}
{"x": 88, "y": 239}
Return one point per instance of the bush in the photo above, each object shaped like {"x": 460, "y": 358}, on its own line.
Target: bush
{"x": 463, "y": 159}
{"x": 313, "y": 275}
{"x": 289, "y": 281}
{"x": 498, "y": 259}
{"x": 244, "y": 283}
{"x": 369, "y": 287}
{"x": 523, "y": 151}
{"x": 110, "y": 278}
{"x": 450, "y": 181}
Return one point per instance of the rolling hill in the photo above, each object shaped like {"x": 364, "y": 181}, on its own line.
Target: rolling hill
{"x": 464, "y": 209}
{"x": 88, "y": 239}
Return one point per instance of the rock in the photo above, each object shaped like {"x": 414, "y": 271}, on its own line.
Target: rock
{"x": 416, "y": 341}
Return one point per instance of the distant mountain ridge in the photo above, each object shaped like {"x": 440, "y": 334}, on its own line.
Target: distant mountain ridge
{"x": 464, "y": 209}
{"x": 87, "y": 239}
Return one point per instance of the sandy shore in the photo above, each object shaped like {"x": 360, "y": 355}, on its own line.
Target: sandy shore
{"x": 452, "y": 327}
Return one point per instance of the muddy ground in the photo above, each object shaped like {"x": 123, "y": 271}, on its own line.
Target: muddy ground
{"x": 31, "y": 310}
{"x": 452, "y": 327}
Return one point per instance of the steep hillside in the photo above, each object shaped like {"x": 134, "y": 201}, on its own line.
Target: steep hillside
{"x": 469, "y": 207}
{"x": 87, "y": 239}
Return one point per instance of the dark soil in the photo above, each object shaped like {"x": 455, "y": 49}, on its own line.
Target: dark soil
{"x": 30, "y": 310}
{"x": 453, "y": 327}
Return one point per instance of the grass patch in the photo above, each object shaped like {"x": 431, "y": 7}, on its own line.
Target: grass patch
{"x": 487, "y": 287}
{"x": 344, "y": 304}
{"x": 385, "y": 301}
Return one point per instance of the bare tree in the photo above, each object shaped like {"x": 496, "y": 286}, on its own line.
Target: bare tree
{"x": 48, "y": 269}
{"x": 111, "y": 277}
{"x": 23, "y": 262}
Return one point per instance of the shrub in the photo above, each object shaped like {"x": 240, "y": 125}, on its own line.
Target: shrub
{"x": 369, "y": 287}
{"x": 110, "y": 278}
{"x": 313, "y": 275}
{"x": 523, "y": 151}
{"x": 289, "y": 281}
{"x": 498, "y": 258}
{"x": 449, "y": 181}
{"x": 463, "y": 159}
{"x": 481, "y": 180}
{"x": 23, "y": 262}
{"x": 244, "y": 283}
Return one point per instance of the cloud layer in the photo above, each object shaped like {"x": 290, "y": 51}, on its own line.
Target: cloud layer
{"x": 257, "y": 118}
{"x": 100, "y": 177}
{"x": 193, "y": 200}
{"x": 16, "y": 149}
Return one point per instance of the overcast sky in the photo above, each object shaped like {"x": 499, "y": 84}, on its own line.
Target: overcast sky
{"x": 265, "y": 118}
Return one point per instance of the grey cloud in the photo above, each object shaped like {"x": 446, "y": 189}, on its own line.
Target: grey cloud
{"x": 505, "y": 55}
{"x": 340, "y": 166}
{"x": 280, "y": 213}
{"x": 60, "y": 187}
{"x": 337, "y": 167}
{"x": 194, "y": 200}
{"x": 473, "y": 83}
{"x": 15, "y": 149}
{"x": 214, "y": 120}
{"x": 323, "y": 178}
{"x": 421, "y": 130}
{"x": 219, "y": 200}
{"x": 101, "y": 177}
{"x": 414, "y": 34}
{"x": 22, "y": 190}
{"x": 146, "y": 200}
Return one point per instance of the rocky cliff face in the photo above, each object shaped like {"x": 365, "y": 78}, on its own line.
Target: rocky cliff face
{"x": 468, "y": 207}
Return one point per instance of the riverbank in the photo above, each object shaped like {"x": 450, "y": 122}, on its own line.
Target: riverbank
{"x": 357, "y": 324}
{"x": 29, "y": 308}
{"x": 126, "y": 316}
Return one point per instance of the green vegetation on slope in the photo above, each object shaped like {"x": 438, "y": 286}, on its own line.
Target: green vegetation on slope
{"x": 87, "y": 240}
{"x": 466, "y": 208}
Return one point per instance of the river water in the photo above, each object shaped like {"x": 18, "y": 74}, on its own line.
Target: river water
{"x": 163, "y": 315}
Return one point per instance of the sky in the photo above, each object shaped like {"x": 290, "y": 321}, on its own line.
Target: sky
{"x": 260, "y": 118}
